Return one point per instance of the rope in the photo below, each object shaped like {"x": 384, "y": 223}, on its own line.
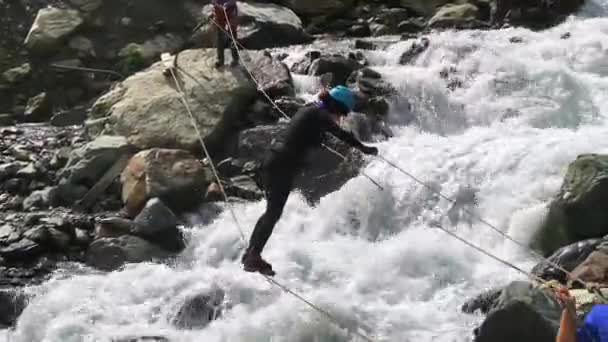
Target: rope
{"x": 488, "y": 224}
{"x": 103, "y": 71}
{"x": 270, "y": 100}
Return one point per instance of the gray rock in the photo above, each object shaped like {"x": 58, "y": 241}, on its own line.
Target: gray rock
{"x": 9, "y": 170}
{"x": 411, "y": 26}
{"x": 70, "y": 193}
{"x": 28, "y": 172}
{"x": 17, "y": 74}
{"x": 39, "y": 235}
{"x": 20, "y": 152}
{"x": 111, "y": 253}
{"x": 483, "y": 302}
{"x": 578, "y": 212}
{"x": 319, "y": 7}
{"x": 41, "y": 199}
{"x": 272, "y": 75}
{"x": 414, "y": 51}
{"x": 51, "y": 26}
{"x": 83, "y": 45}
{"x": 22, "y": 250}
{"x": 464, "y": 16}
{"x": 268, "y": 25}
{"x": 113, "y": 227}
{"x": 82, "y": 237}
{"x": 145, "y": 104}
{"x": 59, "y": 240}
{"x": 340, "y": 66}
{"x": 69, "y": 118}
{"x": 38, "y": 108}
{"x": 244, "y": 187}
{"x": 89, "y": 163}
{"x": 158, "y": 224}
{"x": 325, "y": 172}
{"x": 87, "y": 5}
{"x": 568, "y": 258}
{"x": 12, "y": 303}
{"x": 523, "y": 313}
{"x": 7, "y": 119}
{"x": 198, "y": 311}
{"x": 8, "y": 234}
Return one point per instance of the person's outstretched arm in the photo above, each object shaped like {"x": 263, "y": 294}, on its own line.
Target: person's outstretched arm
{"x": 567, "y": 326}
{"x": 347, "y": 137}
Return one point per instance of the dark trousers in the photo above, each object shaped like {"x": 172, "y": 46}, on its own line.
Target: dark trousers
{"x": 223, "y": 35}
{"x": 278, "y": 175}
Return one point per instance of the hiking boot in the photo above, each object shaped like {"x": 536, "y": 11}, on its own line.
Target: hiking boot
{"x": 219, "y": 64}
{"x": 234, "y": 63}
{"x": 253, "y": 262}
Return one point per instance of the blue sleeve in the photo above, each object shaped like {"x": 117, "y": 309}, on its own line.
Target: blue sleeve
{"x": 584, "y": 334}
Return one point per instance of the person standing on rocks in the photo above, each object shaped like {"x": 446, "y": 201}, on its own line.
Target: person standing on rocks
{"x": 225, "y": 14}
{"x": 285, "y": 159}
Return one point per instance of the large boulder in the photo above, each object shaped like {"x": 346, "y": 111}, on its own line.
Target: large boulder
{"x": 148, "y": 110}
{"x": 262, "y": 26}
{"x": 578, "y": 212}
{"x": 174, "y": 176}
{"x": 51, "y": 27}
{"x": 272, "y": 75}
{"x": 111, "y": 253}
{"x": 318, "y": 7}
{"x": 523, "y": 313}
{"x": 325, "y": 172}
{"x": 341, "y": 67}
{"x": 594, "y": 269}
{"x": 423, "y": 7}
{"x": 568, "y": 258}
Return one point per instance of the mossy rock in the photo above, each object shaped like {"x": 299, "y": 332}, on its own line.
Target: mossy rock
{"x": 579, "y": 211}
{"x": 132, "y": 59}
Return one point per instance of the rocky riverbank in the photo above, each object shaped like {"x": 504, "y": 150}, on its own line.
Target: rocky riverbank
{"x": 102, "y": 167}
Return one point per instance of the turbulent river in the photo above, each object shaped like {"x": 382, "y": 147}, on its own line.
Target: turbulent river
{"x": 373, "y": 258}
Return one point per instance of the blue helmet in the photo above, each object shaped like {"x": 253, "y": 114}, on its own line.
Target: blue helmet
{"x": 345, "y": 96}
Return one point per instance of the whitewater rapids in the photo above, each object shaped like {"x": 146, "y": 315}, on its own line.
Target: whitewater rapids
{"x": 371, "y": 257}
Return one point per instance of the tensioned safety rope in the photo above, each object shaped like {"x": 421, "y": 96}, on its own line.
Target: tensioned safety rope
{"x": 237, "y": 44}
{"x": 240, "y": 229}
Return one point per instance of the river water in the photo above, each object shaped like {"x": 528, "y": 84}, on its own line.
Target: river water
{"x": 370, "y": 257}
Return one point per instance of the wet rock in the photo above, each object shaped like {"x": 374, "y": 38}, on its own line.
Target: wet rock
{"x": 22, "y": 250}
{"x": 82, "y": 237}
{"x": 411, "y": 26}
{"x": 302, "y": 66}
{"x": 87, "y": 5}
{"x": 415, "y": 49}
{"x": 318, "y": 7}
{"x": 15, "y": 185}
{"x": 380, "y": 30}
{"x": 364, "y": 45}
{"x": 8, "y": 234}
{"x": 568, "y": 257}
{"x": 112, "y": 227}
{"x": 456, "y": 16}
{"x": 28, "y": 172}
{"x": 7, "y": 119}
{"x": 17, "y": 74}
{"x": 577, "y": 212}
{"x": 593, "y": 270}
{"x": 198, "y": 311}
{"x": 89, "y": 163}
{"x": 158, "y": 224}
{"x": 268, "y": 25}
{"x": 9, "y": 170}
{"x": 41, "y": 199}
{"x": 174, "y": 176}
{"x": 20, "y": 152}
{"x": 523, "y": 313}
{"x": 51, "y": 27}
{"x": 145, "y": 104}
{"x": 359, "y": 30}
{"x": 566, "y": 35}
{"x": 325, "y": 172}
{"x": 111, "y": 253}
{"x": 38, "y": 108}
{"x": 12, "y": 304}
{"x": 483, "y": 302}
{"x": 339, "y": 66}
{"x": 68, "y": 118}
{"x": 516, "y": 40}
{"x": 39, "y": 235}
{"x": 244, "y": 187}
{"x": 272, "y": 75}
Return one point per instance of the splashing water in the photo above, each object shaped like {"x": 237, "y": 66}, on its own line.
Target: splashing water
{"x": 371, "y": 257}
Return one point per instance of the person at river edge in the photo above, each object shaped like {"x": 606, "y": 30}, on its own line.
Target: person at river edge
{"x": 593, "y": 329}
{"x": 225, "y": 15}
{"x": 285, "y": 159}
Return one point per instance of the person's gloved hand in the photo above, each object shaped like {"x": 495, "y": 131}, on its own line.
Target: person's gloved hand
{"x": 369, "y": 150}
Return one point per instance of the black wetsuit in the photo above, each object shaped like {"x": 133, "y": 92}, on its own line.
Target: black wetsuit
{"x": 283, "y": 162}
